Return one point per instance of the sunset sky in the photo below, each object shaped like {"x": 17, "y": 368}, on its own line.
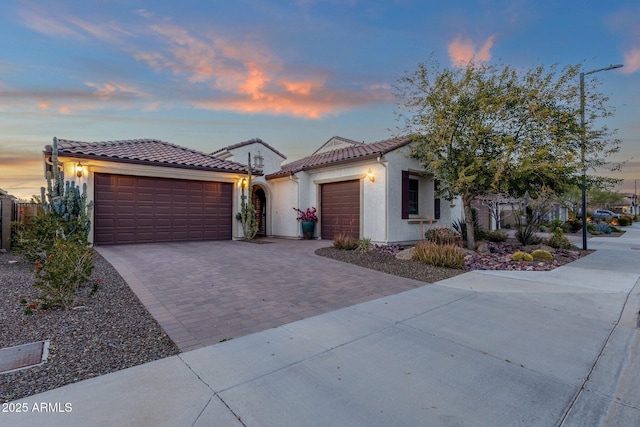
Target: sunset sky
{"x": 206, "y": 74}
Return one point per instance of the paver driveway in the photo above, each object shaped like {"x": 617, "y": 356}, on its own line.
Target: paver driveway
{"x": 204, "y": 292}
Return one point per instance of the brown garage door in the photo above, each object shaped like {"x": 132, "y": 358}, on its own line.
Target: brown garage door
{"x": 133, "y": 209}
{"x": 340, "y": 209}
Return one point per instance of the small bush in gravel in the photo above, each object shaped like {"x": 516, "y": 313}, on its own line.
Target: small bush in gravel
{"x": 449, "y": 256}
{"x": 572, "y": 225}
{"x": 624, "y": 221}
{"x": 364, "y": 244}
{"x": 443, "y": 236}
{"x": 66, "y": 269}
{"x": 559, "y": 240}
{"x": 497, "y": 236}
{"x": 344, "y": 241}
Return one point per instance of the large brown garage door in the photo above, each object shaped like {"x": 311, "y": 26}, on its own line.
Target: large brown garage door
{"x": 340, "y": 209}
{"x": 133, "y": 209}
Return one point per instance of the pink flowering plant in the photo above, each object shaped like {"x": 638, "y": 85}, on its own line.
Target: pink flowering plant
{"x": 308, "y": 215}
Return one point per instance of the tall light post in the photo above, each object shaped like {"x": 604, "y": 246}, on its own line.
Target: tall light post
{"x": 583, "y": 147}
{"x": 635, "y": 197}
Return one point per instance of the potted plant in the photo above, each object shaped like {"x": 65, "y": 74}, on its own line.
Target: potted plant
{"x": 308, "y": 221}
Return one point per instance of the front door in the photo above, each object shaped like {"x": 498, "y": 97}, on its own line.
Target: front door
{"x": 259, "y": 199}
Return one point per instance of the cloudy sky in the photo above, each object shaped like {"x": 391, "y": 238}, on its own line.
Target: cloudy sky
{"x": 206, "y": 74}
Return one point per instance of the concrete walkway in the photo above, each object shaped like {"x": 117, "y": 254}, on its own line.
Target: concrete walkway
{"x": 481, "y": 349}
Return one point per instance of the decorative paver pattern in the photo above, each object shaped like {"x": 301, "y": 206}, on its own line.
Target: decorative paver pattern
{"x": 204, "y": 292}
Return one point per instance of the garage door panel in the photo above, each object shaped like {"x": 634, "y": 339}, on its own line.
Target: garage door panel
{"x": 143, "y": 209}
{"x": 340, "y": 209}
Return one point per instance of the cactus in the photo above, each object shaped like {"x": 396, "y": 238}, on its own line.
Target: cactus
{"x": 522, "y": 256}
{"x": 247, "y": 210}
{"x": 542, "y": 255}
{"x": 65, "y": 200}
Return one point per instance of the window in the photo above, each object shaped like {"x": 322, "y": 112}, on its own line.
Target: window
{"x": 413, "y": 196}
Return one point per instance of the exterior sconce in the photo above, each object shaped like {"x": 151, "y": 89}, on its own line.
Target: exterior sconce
{"x": 370, "y": 175}
{"x": 243, "y": 183}
{"x": 79, "y": 170}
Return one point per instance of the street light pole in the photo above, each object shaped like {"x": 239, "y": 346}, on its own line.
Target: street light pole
{"x": 583, "y": 147}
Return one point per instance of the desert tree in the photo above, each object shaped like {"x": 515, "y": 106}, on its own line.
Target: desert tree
{"x": 489, "y": 129}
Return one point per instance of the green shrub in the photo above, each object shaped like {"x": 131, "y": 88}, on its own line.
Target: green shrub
{"x": 624, "y": 221}
{"x": 496, "y": 236}
{"x": 64, "y": 269}
{"x": 572, "y": 226}
{"x": 527, "y": 236}
{"x": 555, "y": 223}
{"x": 449, "y": 256}
{"x": 56, "y": 242}
{"x": 560, "y": 241}
{"x": 443, "y": 236}
{"x": 542, "y": 255}
{"x": 364, "y": 244}
{"x": 344, "y": 241}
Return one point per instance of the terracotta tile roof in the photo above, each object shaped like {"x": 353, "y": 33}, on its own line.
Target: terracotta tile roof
{"x": 146, "y": 151}
{"x": 341, "y": 155}
{"x": 249, "y": 142}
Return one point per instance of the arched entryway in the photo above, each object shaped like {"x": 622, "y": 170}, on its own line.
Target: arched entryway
{"x": 259, "y": 199}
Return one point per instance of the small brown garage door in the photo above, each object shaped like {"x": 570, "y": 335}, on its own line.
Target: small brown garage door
{"x": 340, "y": 209}
{"x": 133, "y": 209}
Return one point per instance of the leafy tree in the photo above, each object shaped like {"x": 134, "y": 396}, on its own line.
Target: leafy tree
{"x": 605, "y": 199}
{"x": 486, "y": 129}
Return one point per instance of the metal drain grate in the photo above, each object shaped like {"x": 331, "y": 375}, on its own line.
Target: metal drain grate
{"x": 23, "y": 356}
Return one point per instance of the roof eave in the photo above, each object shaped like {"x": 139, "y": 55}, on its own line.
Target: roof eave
{"x": 148, "y": 162}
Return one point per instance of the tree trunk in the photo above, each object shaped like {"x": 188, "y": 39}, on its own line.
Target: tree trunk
{"x": 468, "y": 220}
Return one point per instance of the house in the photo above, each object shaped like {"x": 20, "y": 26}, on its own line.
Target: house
{"x": 496, "y": 212}
{"x": 150, "y": 191}
{"x": 373, "y": 190}
{"x": 146, "y": 190}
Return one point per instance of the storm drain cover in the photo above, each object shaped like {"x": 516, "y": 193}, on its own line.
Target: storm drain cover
{"x": 23, "y": 356}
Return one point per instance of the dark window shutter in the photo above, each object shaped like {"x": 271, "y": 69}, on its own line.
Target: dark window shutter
{"x": 436, "y": 200}
{"x": 405, "y": 194}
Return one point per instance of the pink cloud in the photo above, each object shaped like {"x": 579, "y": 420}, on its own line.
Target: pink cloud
{"x": 243, "y": 71}
{"x": 463, "y": 50}
{"x": 631, "y": 61}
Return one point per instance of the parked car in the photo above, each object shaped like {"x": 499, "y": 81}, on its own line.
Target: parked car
{"x": 604, "y": 214}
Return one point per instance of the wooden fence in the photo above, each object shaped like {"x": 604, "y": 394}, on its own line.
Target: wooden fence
{"x": 12, "y": 211}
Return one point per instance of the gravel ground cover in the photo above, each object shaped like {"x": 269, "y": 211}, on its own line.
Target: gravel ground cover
{"x": 110, "y": 331}
{"x": 496, "y": 256}
{"x": 384, "y": 259}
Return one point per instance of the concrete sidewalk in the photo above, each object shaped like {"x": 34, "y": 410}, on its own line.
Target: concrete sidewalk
{"x": 484, "y": 348}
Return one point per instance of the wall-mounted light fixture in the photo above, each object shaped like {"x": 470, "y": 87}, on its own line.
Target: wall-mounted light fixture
{"x": 243, "y": 182}
{"x": 370, "y": 175}
{"x": 79, "y": 170}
